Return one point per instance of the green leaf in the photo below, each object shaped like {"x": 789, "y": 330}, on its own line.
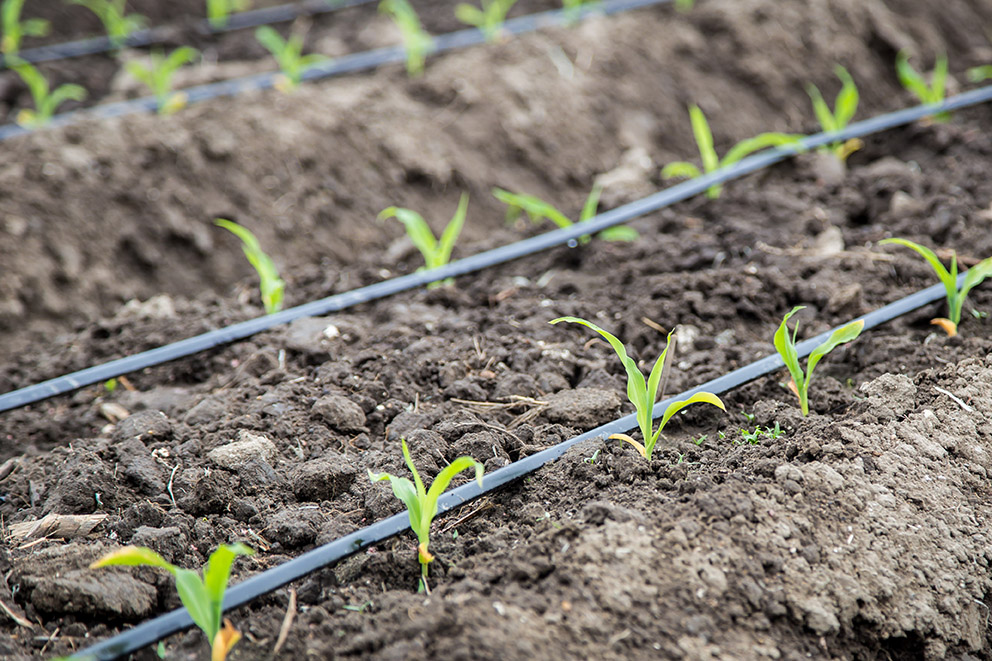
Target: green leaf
{"x": 980, "y": 73}
{"x": 678, "y": 405}
{"x": 821, "y": 109}
{"x": 217, "y": 572}
{"x": 842, "y": 335}
{"x": 619, "y": 233}
{"x": 680, "y": 169}
{"x": 591, "y": 204}
{"x": 407, "y": 493}
{"x": 451, "y": 232}
{"x": 536, "y": 208}
{"x": 62, "y": 94}
{"x": 416, "y": 228}
{"x": 469, "y": 15}
{"x": 196, "y": 600}
{"x": 704, "y": 139}
{"x": 949, "y": 281}
{"x": 757, "y": 143}
{"x": 846, "y": 104}
{"x": 938, "y": 82}
{"x": 35, "y": 27}
{"x": 910, "y": 78}
{"x": 133, "y": 556}
{"x": 441, "y": 482}
{"x": 179, "y": 57}
{"x": 271, "y": 285}
{"x": 785, "y": 345}
{"x": 273, "y": 42}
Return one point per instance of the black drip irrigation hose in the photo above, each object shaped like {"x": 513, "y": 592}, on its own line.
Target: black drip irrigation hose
{"x": 478, "y": 262}
{"x": 151, "y": 36}
{"x": 151, "y": 631}
{"x": 337, "y": 66}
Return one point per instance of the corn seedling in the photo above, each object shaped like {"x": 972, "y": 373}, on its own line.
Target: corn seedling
{"x": 118, "y": 25}
{"x": 219, "y": 11}
{"x": 416, "y": 41}
{"x": 980, "y": 73}
{"x": 271, "y": 286}
{"x": 436, "y": 252}
{"x": 537, "y": 209}
{"x": 711, "y": 162}
{"x": 643, "y": 395}
{"x": 14, "y": 29}
{"x": 489, "y": 19}
{"x": 288, "y": 53}
{"x": 845, "y": 105}
{"x": 157, "y": 76}
{"x": 955, "y": 297}
{"x": 786, "y": 346}
{"x": 46, "y": 100}
{"x": 913, "y": 81}
{"x": 421, "y": 504}
{"x": 203, "y": 598}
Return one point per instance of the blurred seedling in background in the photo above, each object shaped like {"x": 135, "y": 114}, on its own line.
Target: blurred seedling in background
{"x": 203, "y": 598}
{"x": 537, "y": 210}
{"x": 955, "y": 297}
{"x": 436, "y": 252}
{"x": 157, "y": 76}
{"x": 219, "y": 11}
{"x": 785, "y": 344}
{"x": 116, "y": 22}
{"x": 271, "y": 286}
{"x": 711, "y": 162}
{"x": 489, "y": 19}
{"x": 46, "y": 101}
{"x": 289, "y": 55}
{"x": 845, "y": 105}
{"x": 914, "y": 81}
{"x": 421, "y": 504}
{"x": 643, "y": 395}
{"x": 980, "y": 73}
{"x": 684, "y": 5}
{"x": 416, "y": 41}
{"x": 14, "y": 29}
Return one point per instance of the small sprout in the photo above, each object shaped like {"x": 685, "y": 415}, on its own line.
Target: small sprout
{"x": 644, "y": 394}
{"x": 157, "y": 76}
{"x": 980, "y": 73}
{"x": 699, "y": 441}
{"x": 684, "y": 5}
{"x": 592, "y": 459}
{"x": 537, "y": 209}
{"x": 421, "y": 504}
{"x": 979, "y": 314}
{"x": 748, "y": 416}
{"x": 203, "y": 598}
{"x": 271, "y": 286}
{"x": 357, "y": 609}
{"x": 955, "y": 297}
{"x": 14, "y": 29}
{"x": 436, "y": 252}
{"x": 417, "y": 42}
{"x": 46, "y": 102}
{"x": 489, "y": 19}
{"x": 219, "y": 11}
{"x": 845, "y": 106}
{"x": 110, "y": 385}
{"x": 288, "y": 53}
{"x": 118, "y": 25}
{"x": 711, "y": 162}
{"x": 754, "y": 437}
{"x": 913, "y": 81}
{"x": 786, "y": 346}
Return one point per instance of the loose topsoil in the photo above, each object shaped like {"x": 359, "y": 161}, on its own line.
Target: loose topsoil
{"x": 858, "y": 532}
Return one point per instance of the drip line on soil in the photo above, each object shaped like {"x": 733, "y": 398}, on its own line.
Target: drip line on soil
{"x": 567, "y": 236}
{"x": 337, "y": 66}
{"x": 162, "y": 34}
{"x": 151, "y": 631}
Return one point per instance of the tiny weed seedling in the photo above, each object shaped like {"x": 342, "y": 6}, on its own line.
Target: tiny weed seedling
{"x": 489, "y": 19}
{"x": 537, "y": 209}
{"x": 157, "y": 76}
{"x": 786, "y": 346}
{"x": 644, "y": 394}
{"x": 592, "y": 459}
{"x": 913, "y": 81}
{"x": 271, "y": 286}
{"x": 421, "y": 504}
{"x": 288, "y": 53}
{"x": 46, "y": 101}
{"x": 219, "y": 11}
{"x": 711, "y": 162}
{"x": 980, "y": 73}
{"x": 754, "y": 437}
{"x": 955, "y": 297}
{"x": 417, "y": 42}
{"x": 436, "y": 252}
{"x": 201, "y": 597}
{"x": 118, "y": 25}
{"x": 14, "y": 29}
{"x": 845, "y": 105}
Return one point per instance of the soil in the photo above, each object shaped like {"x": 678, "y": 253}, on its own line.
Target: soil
{"x": 858, "y": 533}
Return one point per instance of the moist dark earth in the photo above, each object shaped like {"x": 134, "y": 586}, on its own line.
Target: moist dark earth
{"x": 859, "y": 533}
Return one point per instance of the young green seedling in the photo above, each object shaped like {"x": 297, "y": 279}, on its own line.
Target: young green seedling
{"x": 203, "y": 598}
{"x": 955, "y": 296}
{"x": 417, "y": 42}
{"x": 913, "y": 81}
{"x": 157, "y": 76}
{"x": 118, "y": 25}
{"x": 219, "y": 11}
{"x": 980, "y": 73}
{"x": 537, "y": 209}
{"x": 271, "y": 286}
{"x": 436, "y": 252}
{"x": 489, "y": 19}
{"x": 643, "y": 394}
{"x": 786, "y": 346}
{"x": 573, "y": 7}
{"x": 14, "y": 29}
{"x": 684, "y": 5}
{"x": 421, "y": 504}
{"x": 845, "y": 106}
{"x": 288, "y": 53}
{"x": 46, "y": 101}
{"x": 711, "y": 162}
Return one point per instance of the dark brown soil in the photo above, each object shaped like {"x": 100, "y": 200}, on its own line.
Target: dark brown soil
{"x": 858, "y": 534}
